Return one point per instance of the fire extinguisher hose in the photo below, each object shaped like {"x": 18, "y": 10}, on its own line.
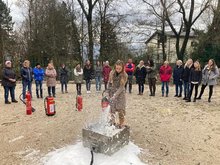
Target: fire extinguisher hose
{"x": 32, "y": 108}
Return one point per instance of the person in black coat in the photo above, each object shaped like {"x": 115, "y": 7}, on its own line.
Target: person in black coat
{"x": 140, "y": 75}
{"x": 188, "y": 66}
{"x": 9, "y": 82}
{"x": 63, "y": 73}
{"x": 177, "y": 78}
{"x": 88, "y": 75}
{"x": 195, "y": 79}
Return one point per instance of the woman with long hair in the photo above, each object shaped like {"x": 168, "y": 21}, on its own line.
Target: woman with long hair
{"x": 117, "y": 81}
{"x": 210, "y": 74}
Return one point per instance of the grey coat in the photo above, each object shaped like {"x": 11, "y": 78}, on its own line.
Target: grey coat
{"x": 98, "y": 71}
{"x": 209, "y": 77}
{"x": 117, "y": 89}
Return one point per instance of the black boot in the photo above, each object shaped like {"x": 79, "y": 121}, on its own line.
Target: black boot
{"x": 37, "y": 93}
{"x": 41, "y": 93}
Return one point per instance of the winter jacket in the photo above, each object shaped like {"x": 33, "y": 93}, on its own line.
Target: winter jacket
{"x": 140, "y": 74}
{"x": 27, "y": 74}
{"x": 129, "y": 69}
{"x": 98, "y": 71}
{"x": 8, "y": 73}
{"x": 165, "y": 73}
{"x": 209, "y": 77}
{"x": 38, "y": 74}
{"x": 118, "y": 90}
{"x": 63, "y": 74}
{"x": 186, "y": 73}
{"x": 178, "y": 75}
{"x": 51, "y": 77}
{"x": 195, "y": 76}
{"x": 106, "y": 72}
{"x": 78, "y": 76}
{"x": 88, "y": 72}
{"x": 151, "y": 72}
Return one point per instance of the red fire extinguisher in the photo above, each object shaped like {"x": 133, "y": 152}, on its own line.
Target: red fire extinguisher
{"x": 79, "y": 102}
{"x": 28, "y": 103}
{"x": 105, "y": 100}
{"x": 49, "y": 105}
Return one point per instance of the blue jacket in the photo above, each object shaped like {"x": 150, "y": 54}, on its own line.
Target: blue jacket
{"x": 178, "y": 75}
{"x": 38, "y": 74}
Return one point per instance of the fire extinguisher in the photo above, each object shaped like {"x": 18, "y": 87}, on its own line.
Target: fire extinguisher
{"x": 105, "y": 101}
{"x": 49, "y": 105}
{"x": 79, "y": 102}
{"x": 28, "y": 103}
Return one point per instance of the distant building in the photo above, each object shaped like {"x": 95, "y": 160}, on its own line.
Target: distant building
{"x": 154, "y": 46}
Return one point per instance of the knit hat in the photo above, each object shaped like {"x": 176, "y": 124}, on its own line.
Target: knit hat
{"x": 7, "y": 62}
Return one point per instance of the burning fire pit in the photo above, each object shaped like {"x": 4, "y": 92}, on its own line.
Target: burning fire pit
{"x": 105, "y": 139}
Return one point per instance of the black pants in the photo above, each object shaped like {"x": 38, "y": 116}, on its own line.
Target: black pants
{"x": 152, "y": 85}
{"x": 203, "y": 89}
{"x": 129, "y": 83}
{"x": 141, "y": 88}
{"x": 78, "y": 88}
{"x": 51, "y": 89}
{"x": 191, "y": 90}
{"x": 106, "y": 85}
{"x": 63, "y": 84}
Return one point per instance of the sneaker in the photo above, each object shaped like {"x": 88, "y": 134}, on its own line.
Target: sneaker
{"x": 198, "y": 98}
{"x": 188, "y": 100}
{"x": 66, "y": 91}
{"x": 175, "y": 95}
{"x": 209, "y": 100}
{"x": 179, "y": 96}
{"x": 14, "y": 101}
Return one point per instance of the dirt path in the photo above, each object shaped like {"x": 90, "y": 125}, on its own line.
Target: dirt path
{"x": 170, "y": 131}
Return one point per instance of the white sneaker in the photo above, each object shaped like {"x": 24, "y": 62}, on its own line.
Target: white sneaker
{"x": 89, "y": 91}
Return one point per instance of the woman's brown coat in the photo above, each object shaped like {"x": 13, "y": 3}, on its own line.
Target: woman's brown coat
{"x": 117, "y": 90}
{"x": 51, "y": 76}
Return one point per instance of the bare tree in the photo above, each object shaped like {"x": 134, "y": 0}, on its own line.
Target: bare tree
{"x": 88, "y": 12}
{"x": 185, "y": 10}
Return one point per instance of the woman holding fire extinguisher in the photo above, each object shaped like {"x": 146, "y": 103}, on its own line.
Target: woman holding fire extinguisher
{"x": 51, "y": 79}
{"x": 117, "y": 80}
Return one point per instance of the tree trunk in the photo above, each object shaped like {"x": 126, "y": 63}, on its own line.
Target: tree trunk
{"x": 90, "y": 32}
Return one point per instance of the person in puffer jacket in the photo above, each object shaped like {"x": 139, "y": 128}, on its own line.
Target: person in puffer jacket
{"x": 165, "y": 75}
{"x": 38, "y": 77}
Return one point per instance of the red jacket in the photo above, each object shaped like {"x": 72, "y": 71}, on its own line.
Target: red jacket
{"x": 165, "y": 73}
{"x": 105, "y": 72}
{"x": 129, "y": 68}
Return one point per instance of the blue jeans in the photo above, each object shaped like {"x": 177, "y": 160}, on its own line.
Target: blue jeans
{"x": 12, "y": 93}
{"x": 98, "y": 83}
{"x": 177, "y": 87}
{"x": 26, "y": 84}
{"x": 166, "y": 84}
{"x": 186, "y": 86}
{"x": 39, "y": 87}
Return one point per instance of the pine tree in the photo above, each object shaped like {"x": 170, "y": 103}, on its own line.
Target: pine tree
{"x": 6, "y": 27}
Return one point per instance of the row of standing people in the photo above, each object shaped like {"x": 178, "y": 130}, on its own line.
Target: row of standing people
{"x": 191, "y": 75}
{"x": 38, "y": 74}
{"x": 185, "y": 78}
